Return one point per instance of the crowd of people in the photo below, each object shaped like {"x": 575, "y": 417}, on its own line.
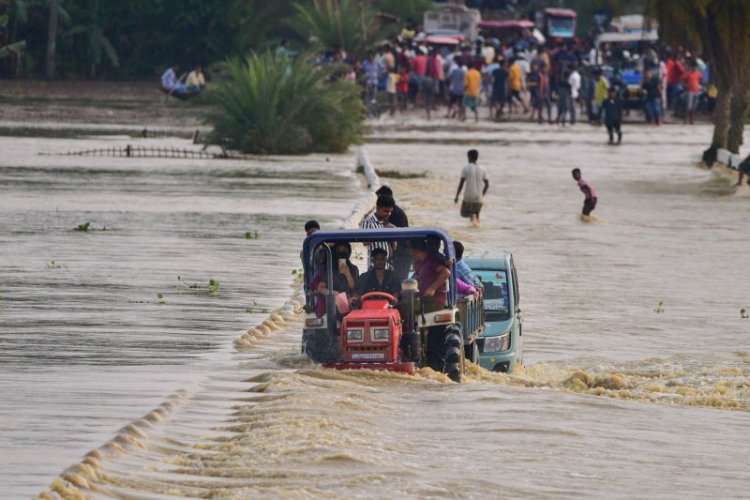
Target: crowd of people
{"x": 561, "y": 83}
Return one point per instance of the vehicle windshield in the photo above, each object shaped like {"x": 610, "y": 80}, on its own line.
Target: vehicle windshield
{"x": 561, "y": 26}
{"x": 496, "y": 297}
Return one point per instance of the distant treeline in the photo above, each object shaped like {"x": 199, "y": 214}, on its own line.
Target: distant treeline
{"x": 139, "y": 38}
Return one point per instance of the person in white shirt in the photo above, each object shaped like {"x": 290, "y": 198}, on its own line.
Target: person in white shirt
{"x": 170, "y": 83}
{"x": 474, "y": 176}
{"x": 574, "y": 80}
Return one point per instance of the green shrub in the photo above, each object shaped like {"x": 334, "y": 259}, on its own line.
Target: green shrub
{"x": 275, "y": 105}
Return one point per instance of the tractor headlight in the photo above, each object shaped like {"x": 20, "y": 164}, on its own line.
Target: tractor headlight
{"x": 354, "y": 335}
{"x": 381, "y": 334}
{"x": 497, "y": 344}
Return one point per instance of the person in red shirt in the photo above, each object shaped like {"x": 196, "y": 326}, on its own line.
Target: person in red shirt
{"x": 674, "y": 78}
{"x": 402, "y": 87}
{"x": 692, "y": 79}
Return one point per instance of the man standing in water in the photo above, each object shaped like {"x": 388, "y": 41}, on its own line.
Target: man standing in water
{"x": 477, "y": 184}
{"x": 589, "y": 203}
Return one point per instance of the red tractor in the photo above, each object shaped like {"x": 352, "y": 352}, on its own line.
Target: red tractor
{"x": 389, "y": 333}
{"x": 371, "y": 336}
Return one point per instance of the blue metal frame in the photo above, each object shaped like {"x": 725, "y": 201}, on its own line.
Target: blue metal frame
{"x": 370, "y": 235}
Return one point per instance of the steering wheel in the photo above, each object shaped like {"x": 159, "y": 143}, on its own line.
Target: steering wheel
{"x": 382, "y": 295}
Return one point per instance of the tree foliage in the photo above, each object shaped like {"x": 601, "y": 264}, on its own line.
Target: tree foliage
{"x": 270, "y": 104}
{"x": 329, "y": 24}
{"x": 720, "y": 29}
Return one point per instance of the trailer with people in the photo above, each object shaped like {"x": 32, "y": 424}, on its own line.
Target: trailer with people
{"x": 420, "y": 326}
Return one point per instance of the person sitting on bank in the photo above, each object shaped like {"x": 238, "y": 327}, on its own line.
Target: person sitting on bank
{"x": 195, "y": 82}
{"x": 171, "y": 84}
{"x": 378, "y": 279}
{"x": 432, "y": 276}
{"x": 345, "y": 275}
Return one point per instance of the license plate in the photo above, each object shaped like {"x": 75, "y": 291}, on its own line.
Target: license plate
{"x": 368, "y": 355}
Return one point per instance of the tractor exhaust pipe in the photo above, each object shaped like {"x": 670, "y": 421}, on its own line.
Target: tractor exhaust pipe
{"x": 410, "y": 340}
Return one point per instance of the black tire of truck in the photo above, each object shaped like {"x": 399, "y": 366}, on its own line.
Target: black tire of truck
{"x": 471, "y": 352}
{"x": 453, "y": 353}
{"x": 319, "y": 348}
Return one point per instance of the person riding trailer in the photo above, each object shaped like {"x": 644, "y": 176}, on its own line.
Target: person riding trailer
{"x": 421, "y": 337}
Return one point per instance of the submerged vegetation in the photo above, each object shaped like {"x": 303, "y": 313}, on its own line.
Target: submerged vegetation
{"x": 269, "y": 104}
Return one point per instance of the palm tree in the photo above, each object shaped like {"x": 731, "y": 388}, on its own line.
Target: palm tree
{"x": 271, "y": 104}
{"x": 96, "y": 42}
{"x": 349, "y": 24}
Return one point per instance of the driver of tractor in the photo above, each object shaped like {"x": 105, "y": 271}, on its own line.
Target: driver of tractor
{"x": 432, "y": 276}
{"x": 378, "y": 279}
{"x": 345, "y": 275}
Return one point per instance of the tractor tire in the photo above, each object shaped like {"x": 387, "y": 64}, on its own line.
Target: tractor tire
{"x": 471, "y": 352}
{"x": 319, "y": 348}
{"x": 453, "y": 355}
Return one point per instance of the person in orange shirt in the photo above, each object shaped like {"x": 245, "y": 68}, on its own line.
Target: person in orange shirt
{"x": 692, "y": 79}
{"x": 472, "y": 89}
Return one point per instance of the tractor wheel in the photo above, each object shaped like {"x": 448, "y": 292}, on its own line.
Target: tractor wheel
{"x": 471, "y": 352}
{"x": 453, "y": 355}
{"x": 319, "y": 348}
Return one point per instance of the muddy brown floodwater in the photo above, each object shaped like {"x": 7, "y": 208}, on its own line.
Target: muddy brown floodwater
{"x": 637, "y": 365}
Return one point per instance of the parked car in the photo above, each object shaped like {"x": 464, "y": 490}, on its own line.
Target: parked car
{"x": 501, "y": 343}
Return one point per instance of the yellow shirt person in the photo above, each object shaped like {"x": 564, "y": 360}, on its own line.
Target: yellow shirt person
{"x": 472, "y": 83}
{"x": 516, "y": 77}
{"x": 601, "y": 86}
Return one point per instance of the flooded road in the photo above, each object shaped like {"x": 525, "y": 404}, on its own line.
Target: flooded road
{"x": 97, "y": 328}
{"x": 637, "y": 358}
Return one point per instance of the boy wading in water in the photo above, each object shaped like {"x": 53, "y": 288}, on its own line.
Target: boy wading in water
{"x": 588, "y": 190}
{"x": 475, "y": 178}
